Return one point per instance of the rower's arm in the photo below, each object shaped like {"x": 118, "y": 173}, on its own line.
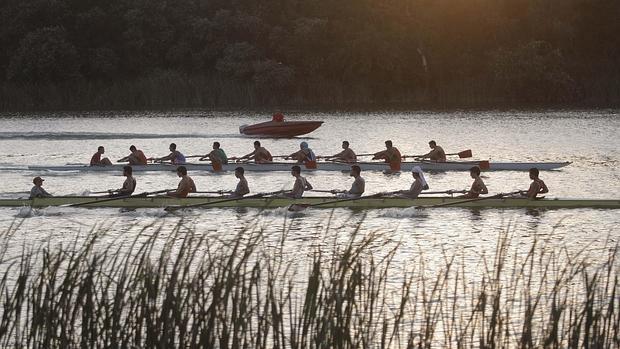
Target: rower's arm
{"x": 533, "y": 190}
{"x": 427, "y": 155}
{"x": 543, "y": 188}
{"x": 380, "y": 155}
{"x": 339, "y": 155}
{"x": 125, "y": 159}
{"x": 207, "y": 156}
{"x": 295, "y": 155}
{"x": 165, "y": 158}
{"x": 249, "y": 156}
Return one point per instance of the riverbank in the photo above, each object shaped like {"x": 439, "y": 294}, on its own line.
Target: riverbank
{"x": 176, "y": 91}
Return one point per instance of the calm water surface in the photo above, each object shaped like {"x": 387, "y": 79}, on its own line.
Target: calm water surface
{"x": 587, "y": 138}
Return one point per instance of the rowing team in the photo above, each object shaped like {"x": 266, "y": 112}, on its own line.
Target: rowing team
{"x": 260, "y": 155}
{"x": 186, "y": 185}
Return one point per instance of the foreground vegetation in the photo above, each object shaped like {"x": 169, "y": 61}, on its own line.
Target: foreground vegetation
{"x": 185, "y": 289}
{"x": 60, "y": 54}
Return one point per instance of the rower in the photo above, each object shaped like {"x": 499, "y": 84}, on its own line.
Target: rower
{"x": 217, "y": 156}
{"x": 96, "y": 160}
{"x": 346, "y": 155}
{"x": 477, "y": 187}
{"x": 436, "y": 154}
{"x": 136, "y": 157}
{"x": 260, "y": 155}
{"x": 37, "y": 190}
{"x": 186, "y": 185}
{"x": 301, "y": 184}
{"x": 175, "y": 156}
{"x": 536, "y": 187}
{"x": 358, "y": 186}
{"x": 391, "y": 155}
{"x": 129, "y": 185}
{"x": 419, "y": 184}
{"x": 242, "y": 186}
{"x": 304, "y": 155}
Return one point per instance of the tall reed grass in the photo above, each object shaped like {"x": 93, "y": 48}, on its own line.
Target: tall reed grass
{"x": 187, "y": 289}
{"x": 173, "y": 90}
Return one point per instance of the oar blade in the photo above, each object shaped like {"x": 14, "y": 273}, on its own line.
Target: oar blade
{"x": 465, "y": 154}
{"x": 484, "y": 165}
{"x": 298, "y": 207}
{"x": 173, "y": 208}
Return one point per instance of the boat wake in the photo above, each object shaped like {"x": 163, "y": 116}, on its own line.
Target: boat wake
{"x": 105, "y": 135}
{"x": 410, "y": 212}
{"x": 29, "y": 212}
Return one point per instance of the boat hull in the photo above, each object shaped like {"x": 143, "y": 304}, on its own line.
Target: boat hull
{"x": 321, "y": 166}
{"x": 326, "y": 202}
{"x": 280, "y": 128}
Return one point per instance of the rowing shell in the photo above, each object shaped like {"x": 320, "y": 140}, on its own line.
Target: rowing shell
{"x": 321, "y": 166}
{"x": 369, "y": 203}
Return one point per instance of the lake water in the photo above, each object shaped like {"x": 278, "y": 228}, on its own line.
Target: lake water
{"x": 587, "y": 138}
{"x": 419, "y": 243}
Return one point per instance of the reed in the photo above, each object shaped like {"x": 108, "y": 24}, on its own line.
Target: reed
{"x": 166, "y": 89}
{"x": 188, "y": 288}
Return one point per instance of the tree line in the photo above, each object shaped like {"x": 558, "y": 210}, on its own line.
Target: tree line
{"x": 186, "y": 53}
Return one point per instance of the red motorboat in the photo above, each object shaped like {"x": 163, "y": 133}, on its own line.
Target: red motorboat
{"x": 277, "y": 127}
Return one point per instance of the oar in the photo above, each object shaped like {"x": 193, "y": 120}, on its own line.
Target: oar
{"x": 482, "y": 164}
{"x": 179, "y": 207}
{"x": 444, "y": 192}
{"x": 333, "y": 191}
{"x": 462, "y": 154}
{"x": 214, "y": 192}
{"x": 155, "y": 161}
{"x": 301, "y": 207}
{"x": 145, "y": 194}
{"x": 497, "y": 196}
{"x": 88, "y": 192}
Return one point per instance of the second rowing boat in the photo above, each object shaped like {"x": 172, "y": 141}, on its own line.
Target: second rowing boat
{"x": 321, "y": 166}
{"x": 325, "y": 202}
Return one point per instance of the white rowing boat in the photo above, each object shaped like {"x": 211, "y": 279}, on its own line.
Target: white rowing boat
{"x": 323, "y": 202}
{"x": 322, "y": 166}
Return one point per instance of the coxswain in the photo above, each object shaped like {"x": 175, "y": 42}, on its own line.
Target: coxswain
{"x": 278, "y": 117}
{"x": 301, "y": 184}
{"x": 242, "y": 186}
{"x": 217, "y": 156}
{"x": 358, "y": 186}
{"x": 477, "y": 187}
{"x": 536, "y": 187}
{"x": 186, "y": 185}
{"x": 129, "y": 185}
{"x": 37, "y": 190}
{"x": 436, "y": 154}
{"x": 136, "y": 157}
{"x": 346, "y": 155}
{"x": 260, "y": 155}
{"x": 175, "y": 156}
{"x": 391, "y": 155}
{"x": 96, "y": 159}
{"x": 419, "y": 184}
{"x": 304, "y": 155}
